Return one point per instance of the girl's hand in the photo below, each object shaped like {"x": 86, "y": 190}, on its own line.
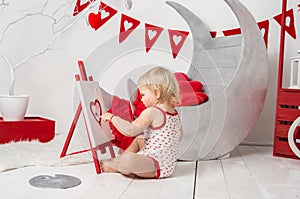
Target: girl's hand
{"x": 107, "y": 116}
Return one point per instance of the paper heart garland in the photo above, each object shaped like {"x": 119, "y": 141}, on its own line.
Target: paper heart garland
{"x": 80, "y": 7}
{"x": 127, "y": 25}
{"x": 177, "y": 39}
{"x": 151, "y": 35}
{"x": 94, "y": 20}
{"x": 289, "y": 22}
{"x": 95, "y": 108}
{"x": 104, "y": 14}
{"x": 264, "y": 27}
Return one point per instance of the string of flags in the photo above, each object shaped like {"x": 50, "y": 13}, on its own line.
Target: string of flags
{"x": 177, "y": 37}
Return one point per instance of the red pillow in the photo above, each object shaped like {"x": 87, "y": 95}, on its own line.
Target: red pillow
{"x": 192, "y": 98}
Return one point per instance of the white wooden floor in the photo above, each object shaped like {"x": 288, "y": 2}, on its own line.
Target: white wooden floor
{"x": 251, "y": 172}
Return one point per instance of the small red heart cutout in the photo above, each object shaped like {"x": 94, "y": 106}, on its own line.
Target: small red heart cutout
{"x": 95, "y": 20}
{"x": 96, "y": 110}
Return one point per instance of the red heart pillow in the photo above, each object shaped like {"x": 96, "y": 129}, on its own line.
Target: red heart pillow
{"x": 181, "y": 76}
{"x": 190, "y": 86}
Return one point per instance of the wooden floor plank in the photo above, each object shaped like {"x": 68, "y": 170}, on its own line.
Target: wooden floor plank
{"x": 288, "y": 169}
{"x": 250, "y": 172}
{"x": 210, "y": 182}
{"x": 269, "y": 173}
{"x": 181, "y": 184}
{"x": 239, "y": 180}
{"x": 93, "y": 186}
{"x": 178, "y": 186}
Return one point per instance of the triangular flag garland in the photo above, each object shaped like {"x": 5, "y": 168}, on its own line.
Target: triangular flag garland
{"x": 127, "y": 25}
{"x": 289, "y": 22}
{"x": 177, "y": 38}
{"x": 264, "y": 28}
{"x": 235, "y": 31}
{"x": 80, "y": 7}
{"x": 213, "y": 34}
{"x": 151, "y": 35}
{"x": 104, "y": 14}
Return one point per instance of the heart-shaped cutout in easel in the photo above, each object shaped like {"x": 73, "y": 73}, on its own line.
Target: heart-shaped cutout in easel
{"x": 96, "y": 110}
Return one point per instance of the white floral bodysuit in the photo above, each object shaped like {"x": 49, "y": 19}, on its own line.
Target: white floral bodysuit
{"x": 162, "y": 144}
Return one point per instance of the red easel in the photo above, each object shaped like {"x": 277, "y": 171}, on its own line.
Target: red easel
{"x": 101, "y": 147}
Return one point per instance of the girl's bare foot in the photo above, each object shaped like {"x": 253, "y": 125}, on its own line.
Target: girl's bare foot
{"x": 104, "y": 166}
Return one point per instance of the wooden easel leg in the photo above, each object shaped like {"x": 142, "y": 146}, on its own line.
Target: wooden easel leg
{"x": 74, "y": 123}
{"x": 111, "y": 151}
{"x": 71, "y": 131}
{"x": 96, "y": 161}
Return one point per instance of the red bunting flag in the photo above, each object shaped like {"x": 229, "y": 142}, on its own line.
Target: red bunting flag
{"x": 127, "y": 25}
{"x": 264, "y": 28}
{"x": 213, "y": 34}
{"x": 104, "y": 14}
{"x": 80, "y": 7}
{"x": 289, "y": 22}
{"x": 177, "y": 39}
{"x": 151, "y": 35}
{"x": 235, "y": 31}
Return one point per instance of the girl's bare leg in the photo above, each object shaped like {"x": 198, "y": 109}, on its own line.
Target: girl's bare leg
{"x": 131, "y": 163}
{"x": 110, "y": 164}
{"x": 136, "y": 145}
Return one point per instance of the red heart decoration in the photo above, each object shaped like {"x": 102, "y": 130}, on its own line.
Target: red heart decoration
{"x": 95, "y": 20}
{"x": 96, "y": 110}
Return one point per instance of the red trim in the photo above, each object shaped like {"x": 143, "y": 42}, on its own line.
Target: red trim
{"x": 282, "y": 42}
{"x": 166, "y": 112}
{"x": 160, "y": 126}
{"x": 156, "y": 167}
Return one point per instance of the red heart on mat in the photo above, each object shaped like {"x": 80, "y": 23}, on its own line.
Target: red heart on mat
{"x": 95, "y": 20}
{"x": 96, "y": 110}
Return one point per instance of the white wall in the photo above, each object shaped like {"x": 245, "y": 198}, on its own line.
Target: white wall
{"x": 51, "y": 40}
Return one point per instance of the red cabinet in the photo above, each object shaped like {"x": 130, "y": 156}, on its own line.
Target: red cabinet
{"x": 287, "y": 110}
{"x": 287, "y": 105}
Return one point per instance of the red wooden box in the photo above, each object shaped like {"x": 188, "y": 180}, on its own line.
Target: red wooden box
{"x": 287, "y": 111}
{"x": 31, "y": 128}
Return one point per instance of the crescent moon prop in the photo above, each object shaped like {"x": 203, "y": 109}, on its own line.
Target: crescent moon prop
{"x": 235, "y": 72}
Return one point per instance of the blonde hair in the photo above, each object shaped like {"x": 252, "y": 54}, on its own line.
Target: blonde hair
{"x": 163, "y": 80}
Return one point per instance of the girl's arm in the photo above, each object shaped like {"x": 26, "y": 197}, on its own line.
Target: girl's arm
{"x": 130, "y": 128}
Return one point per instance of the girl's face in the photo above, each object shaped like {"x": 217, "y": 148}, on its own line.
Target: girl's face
{"x": 149, "y": 98}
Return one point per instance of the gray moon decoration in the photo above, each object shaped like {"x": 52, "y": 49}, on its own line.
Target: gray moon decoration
{"x": 234, "y": 70}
